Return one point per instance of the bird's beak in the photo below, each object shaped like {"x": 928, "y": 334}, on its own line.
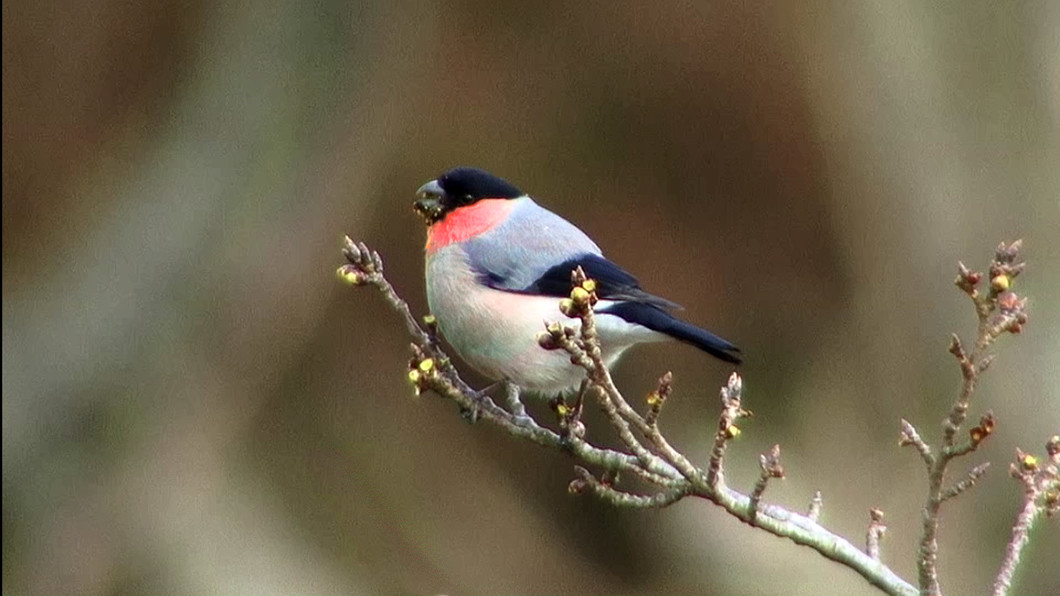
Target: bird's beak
{"x": 429, "y": 205}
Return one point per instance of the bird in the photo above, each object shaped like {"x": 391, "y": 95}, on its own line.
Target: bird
{"x": 497, "y": 266}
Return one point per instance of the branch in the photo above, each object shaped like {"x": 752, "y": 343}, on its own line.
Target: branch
{"x": 816, "y": 504}
{"x": 771, "y": 468}
{"x": 1041, "y": 494}
{"x": 999, "y": 310}
{"x": 605, "y": 491}
{"x": 731, "y": 411}
{"x": 910, "y": 436}
{"x": 875, "y": 533}
{"x": 650, "y": 457}
{"x": 584, "y": 349}
{"x": 973, "y": 476}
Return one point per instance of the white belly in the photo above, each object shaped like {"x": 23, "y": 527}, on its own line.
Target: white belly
{"x": 496, "y": 331}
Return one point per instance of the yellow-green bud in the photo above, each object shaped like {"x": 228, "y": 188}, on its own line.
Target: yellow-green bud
{"x": 1029, "y": 462}
{"x": 579, "y": 295}
{"x": 350, "y": 275}
{"x": 1001, "y": 283}
{"x": 566, "y": 306}
{"x": 426, "y": 365}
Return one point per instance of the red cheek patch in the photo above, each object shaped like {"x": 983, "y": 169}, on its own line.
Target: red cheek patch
{"x": 466, "y": 222}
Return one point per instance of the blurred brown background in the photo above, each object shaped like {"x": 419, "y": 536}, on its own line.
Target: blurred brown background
{"x": 192, "y": 404}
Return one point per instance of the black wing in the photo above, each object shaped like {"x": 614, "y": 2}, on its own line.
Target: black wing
{"x": 612, "y": 282}
{"x": 631, "y": 303}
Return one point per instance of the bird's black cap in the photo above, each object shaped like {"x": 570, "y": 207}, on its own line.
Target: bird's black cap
{"x": 467, "y": 185}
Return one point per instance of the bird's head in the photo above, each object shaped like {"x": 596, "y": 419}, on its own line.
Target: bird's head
{"x": 460, "y": 187}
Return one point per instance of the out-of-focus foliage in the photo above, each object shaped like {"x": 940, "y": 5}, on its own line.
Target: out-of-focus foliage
{"x": 192, "y": 404}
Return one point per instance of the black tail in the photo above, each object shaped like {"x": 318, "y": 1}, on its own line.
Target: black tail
{"x": 657, "y": 319}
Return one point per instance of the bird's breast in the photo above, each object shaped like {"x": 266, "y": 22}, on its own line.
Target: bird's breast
{"x": 467, "y": 222}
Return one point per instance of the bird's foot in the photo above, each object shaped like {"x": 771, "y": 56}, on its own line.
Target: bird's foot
{"x": 515, "y": 404}
{"x": 511, "y": 399}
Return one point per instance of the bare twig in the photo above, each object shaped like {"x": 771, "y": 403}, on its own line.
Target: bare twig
{"x": 587, "y": 482}
{"x": 969, "y": 481}
{"x": 366, "y": 267}
{"x": 621, "y": 415}
{"x": 769, "y": 462}
{"x": 999, "y": 310}
{"x": 775, "y": 520}
{"x": 731, "y": 411}
{"x": 564, "y": 339}
{"x": 910, "y": 436}
{"x": 1041, "y": 492}
{"x": 816, "y": 504}
{"x": 656, "y": 399}
{"x": 875, "y": 533}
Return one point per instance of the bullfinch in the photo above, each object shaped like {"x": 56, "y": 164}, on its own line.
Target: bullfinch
{"x": 497, "y": 266}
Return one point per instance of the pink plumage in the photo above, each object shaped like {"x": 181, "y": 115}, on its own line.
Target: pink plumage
{"x": 466, "y": 222}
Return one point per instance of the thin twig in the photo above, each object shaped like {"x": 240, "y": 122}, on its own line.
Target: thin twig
{"x": 1038, "y": 481}
{"x": 657, "y": 399}
{"x": 769, "y": 462}
{"x": 618, "y": 410}
{"x": 999, "y": 310}
{"x": 731, "y": 411}
{"x": 587, "y": 482}
{"x": 1020, "y": 535}
{"x": 816, "y": 504}
{"x": 875, "y": 533}
{"x": 969, "y": 481}
{"x": 910, "y": 436}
